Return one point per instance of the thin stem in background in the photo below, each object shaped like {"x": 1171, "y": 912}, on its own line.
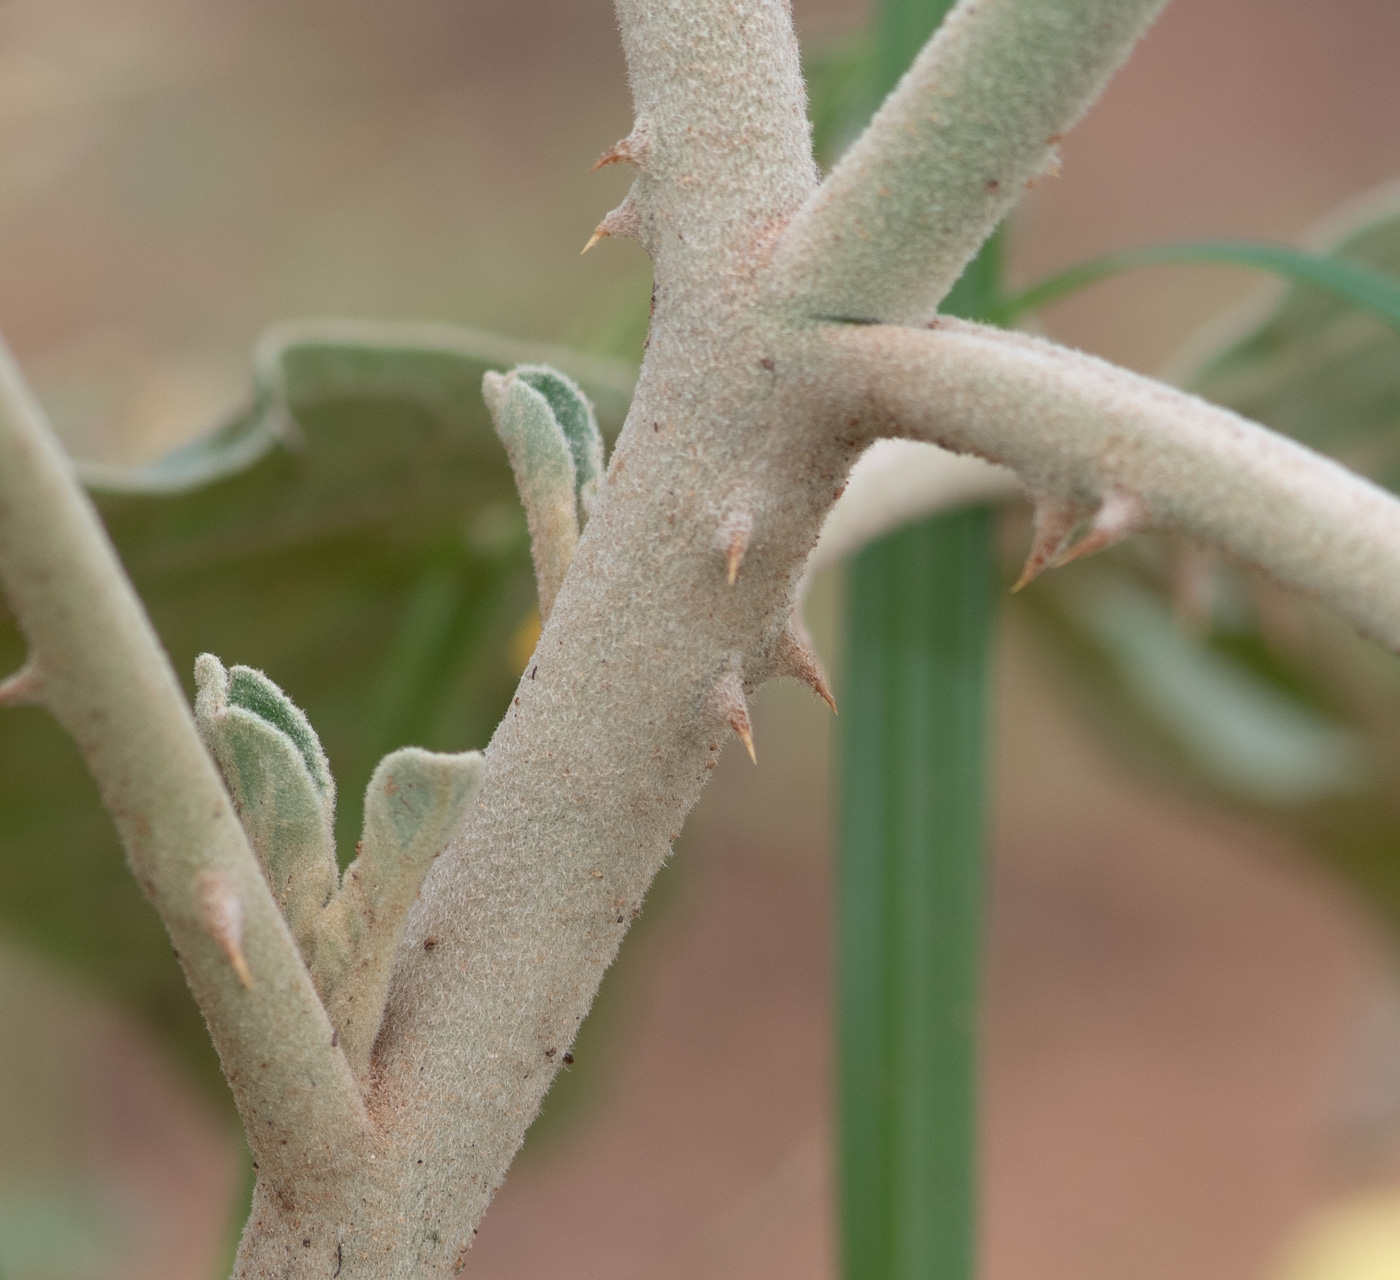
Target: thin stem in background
{"x": 920, "y": 608}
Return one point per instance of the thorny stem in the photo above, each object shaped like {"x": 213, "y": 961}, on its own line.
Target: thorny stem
{"x": 750, "y": 412}
{"x": 1079, "y": 430}
{"x": 101, "y": 671}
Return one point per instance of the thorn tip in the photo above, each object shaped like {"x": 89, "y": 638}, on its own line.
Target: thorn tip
{"x": 729, "y": 701}
{"x": 795, "y": 657}
{"x": 1054, "y": 520}
{"x": 734, "y": 531}
{"x": 222, "y": 915}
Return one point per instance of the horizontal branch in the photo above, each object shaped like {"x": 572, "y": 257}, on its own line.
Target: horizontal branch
{"x": 1081, "y": 432}
{"x": 899, "y": 481}
{"x": 977, "y": 118}
{"x": 100, "y": 669}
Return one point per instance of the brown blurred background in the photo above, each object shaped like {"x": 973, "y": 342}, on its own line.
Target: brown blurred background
{"x": 1191, "y": 1034}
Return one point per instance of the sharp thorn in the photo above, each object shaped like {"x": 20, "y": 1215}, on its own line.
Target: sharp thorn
{"x": 222, "y": 914}
{"x": 1055, "y": 518}
{"x": 745, "y": 735}
{"x": 1119, "y": 514}
{"x": 733, "y": 558}
{"x": 734, "y": 709}
{"x": 795, "y": 657}
{"x": 599, "y": 232}
{"x": 734, "y": 532}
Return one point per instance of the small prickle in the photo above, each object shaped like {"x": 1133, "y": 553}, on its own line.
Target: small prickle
{"x": 1055, "y": 519}
{"x": 795, "y": 657}
{"x": 733, "y": 537}
{"x": 1119, "y": 514}
{"x": 733, "y": 708}
{"x": 622, "y": 221}
{"x": 222, "y": 915}
{"x": 629, "y": 150}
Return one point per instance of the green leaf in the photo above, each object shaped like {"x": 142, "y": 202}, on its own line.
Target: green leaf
{"x": 1353, "y": 284}
{"x": 354, "y": 533}
{"x": 1270, "y": 701}
{"x": 575, "y": 417}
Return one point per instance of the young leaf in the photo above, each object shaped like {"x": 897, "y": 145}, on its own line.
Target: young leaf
{"x": 414, "y": 804}
{"x": 281, "y": 785}
{"x": 576, "y": 420}
{"x": 355, "y": 533}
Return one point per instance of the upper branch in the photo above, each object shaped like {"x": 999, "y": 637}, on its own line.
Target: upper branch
{"x": 1082, "y": 434}
{"x": 975, "y": 119}
{"x": 721, "y": 138}
{"x": 97, "y": 665}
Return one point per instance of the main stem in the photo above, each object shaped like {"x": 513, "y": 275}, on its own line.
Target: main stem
{"x": 920, "y": 615}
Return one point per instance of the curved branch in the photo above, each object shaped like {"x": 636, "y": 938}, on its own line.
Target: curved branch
{"x": 976, "y": 119}
{"x": 1080, "y": 431}
{"x": 104, "y": 676}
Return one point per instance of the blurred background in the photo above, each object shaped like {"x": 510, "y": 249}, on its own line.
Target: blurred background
{"x": 1192, "y": 1030}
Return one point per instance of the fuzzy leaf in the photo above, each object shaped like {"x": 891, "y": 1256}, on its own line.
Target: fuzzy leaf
{"x": 415, "y": 801}
{"x": 545, "y": 475}
{"x": 281, "y": 785}
{"x": 576, "y": 420}
{"x": 355, "y": 533}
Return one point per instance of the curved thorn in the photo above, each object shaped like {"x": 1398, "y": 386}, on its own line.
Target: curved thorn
{"x": 622, "y": 221}
{"x": 1120, "y": 514}
{"x": 795, "y": 657}
{"x": 1055, "y": 519}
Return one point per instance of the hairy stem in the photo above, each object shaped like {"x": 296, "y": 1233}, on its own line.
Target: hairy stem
{"x": 978, "y": 117}
{"x": 1077, "y": 429}
{"x": 102, "y": 673}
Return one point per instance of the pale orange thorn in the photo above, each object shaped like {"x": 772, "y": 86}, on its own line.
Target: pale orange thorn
{"x": 745, "y": 735}
{"x": 796, "y": 658}
{"x": 729, "y": 701}
{"x": 618, "y": 153}
{"x": 733, "y": 539}
{"x": 222, "y": 914}
{"x": 1119, "y": 514}
{"x": 734, "y": 556}
{"x": 1055, "y": 518}
{"x": 599, "y": 232}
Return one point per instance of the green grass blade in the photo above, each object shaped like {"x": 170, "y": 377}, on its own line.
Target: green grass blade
{"x": 919, "y": 622}
{"x": 1362, "y": 286}
{"x": 909, "y": 897}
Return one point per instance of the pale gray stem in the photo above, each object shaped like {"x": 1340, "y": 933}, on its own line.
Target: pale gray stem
{"x": 978, "y": 116}
{"x": 1077, "y": 429}
{"x": 107, "y": 680}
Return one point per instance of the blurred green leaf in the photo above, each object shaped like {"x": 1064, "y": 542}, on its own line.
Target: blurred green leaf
{"x": 1353, "y": 283}
{"x": 355, "y": 533}
{"x": 1266, "y": 699}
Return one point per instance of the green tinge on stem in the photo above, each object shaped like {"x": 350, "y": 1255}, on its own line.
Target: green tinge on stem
{"x": 1363, "y": 287}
